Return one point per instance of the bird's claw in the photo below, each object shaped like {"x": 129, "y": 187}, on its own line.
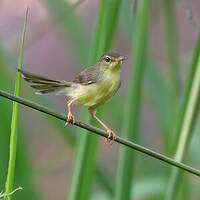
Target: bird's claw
{"x": 111, "y": 137}
{"x": 70, "y": 119}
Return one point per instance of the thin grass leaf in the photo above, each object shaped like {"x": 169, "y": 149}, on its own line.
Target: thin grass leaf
{"x": 101, "y": 132}
{"x": 86, "y": 152}
{"x": 132, "y": 109}
{"x": 173, "y": 82}
{"x": 188, "y": 116}
{"x": 4, "y": 118}
{"x": 100, "y": 23}
{"x": 23, "y": 168}
{"x": 172, "y": 39}
{"x": 110, "y": 19}
{"x": 14, "y": 123}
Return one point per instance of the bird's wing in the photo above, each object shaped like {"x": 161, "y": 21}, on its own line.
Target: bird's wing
{"x": 88, "y": 76}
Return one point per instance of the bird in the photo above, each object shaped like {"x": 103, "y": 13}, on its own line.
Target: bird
{"x": 92, "y": 87}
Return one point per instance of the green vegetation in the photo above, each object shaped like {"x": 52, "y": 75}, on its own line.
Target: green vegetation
{"x": 14, "y": 122}
{"x": 168, "y": 94}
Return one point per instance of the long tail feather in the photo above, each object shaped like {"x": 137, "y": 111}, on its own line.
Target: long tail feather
{"x": 44, "y": 85}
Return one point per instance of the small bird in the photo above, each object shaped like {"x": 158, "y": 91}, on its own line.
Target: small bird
{"x": 92, "y": 87}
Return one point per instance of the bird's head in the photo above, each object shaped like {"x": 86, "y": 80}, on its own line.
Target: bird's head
{"x": 111, "y": 60}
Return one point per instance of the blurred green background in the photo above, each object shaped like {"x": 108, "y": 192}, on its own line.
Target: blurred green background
{"x": 58, "y": 45}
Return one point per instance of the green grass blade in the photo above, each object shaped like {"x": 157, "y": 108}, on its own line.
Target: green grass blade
{"x": 101, "y": 132}
{"x": 188, "y": 116}
{"x": 14, "y": 123}
{"x": 132, "y": 109}
{"x": 169, "y": 6}
{"x": 23, "y": 169}
{"x": 86, "y": 152}
{"x": 100, "y": 23}
{"x": 111, "y": 18}
{"x": 173, "y": 78}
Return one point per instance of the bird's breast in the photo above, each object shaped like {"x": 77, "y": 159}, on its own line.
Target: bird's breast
{"x": 96, "y": 94}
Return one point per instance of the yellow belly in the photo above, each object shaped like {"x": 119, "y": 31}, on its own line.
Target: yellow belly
{"x": 96, "y": 94}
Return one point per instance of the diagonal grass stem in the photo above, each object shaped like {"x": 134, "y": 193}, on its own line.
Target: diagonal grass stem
{"x": 100, "y": 132}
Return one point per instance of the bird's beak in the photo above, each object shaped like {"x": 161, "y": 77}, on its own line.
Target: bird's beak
{"x": 121, "y": 58}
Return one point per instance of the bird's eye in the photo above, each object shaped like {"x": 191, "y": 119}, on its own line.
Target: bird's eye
{"x": 107, "y": 59}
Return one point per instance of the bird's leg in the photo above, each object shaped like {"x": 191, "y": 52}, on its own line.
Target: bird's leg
{"x": 111, "y": 134}
{"x": 70, "y": 117}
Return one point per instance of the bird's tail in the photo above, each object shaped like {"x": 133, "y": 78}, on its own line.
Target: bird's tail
{"x": 44, "y": 85}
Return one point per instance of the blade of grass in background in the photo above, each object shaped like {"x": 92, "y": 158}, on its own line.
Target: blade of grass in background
{"x": 14, "y": 123}
{"x": 173, "y": 82}
{"x": 86, "y": 152}
{"x": 187, "y": 119}
{"x": 174, "y": 79}
{"x": 132, "y": 110}
{"x": 111, "y": 11}
{"x": 169, "y": 6}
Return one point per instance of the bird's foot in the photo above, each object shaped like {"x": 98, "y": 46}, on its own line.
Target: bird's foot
{"x": 111, "y": 137}
{"x": 70, "y": 119}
